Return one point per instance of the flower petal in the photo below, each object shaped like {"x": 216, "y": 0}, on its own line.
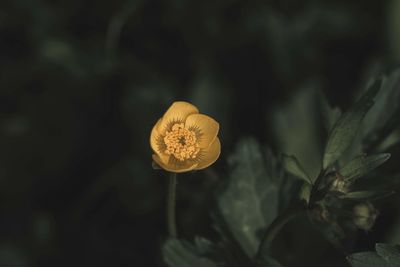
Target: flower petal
{"x": 211, "y": 154}
{"x": 207, "y": 127}
{"x": 154, "y": 136}
{"x": 173, "y": 167}
{"x": 177, "y": 112}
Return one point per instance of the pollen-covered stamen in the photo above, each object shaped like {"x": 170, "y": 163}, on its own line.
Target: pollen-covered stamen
{"x": 181, "y": 142}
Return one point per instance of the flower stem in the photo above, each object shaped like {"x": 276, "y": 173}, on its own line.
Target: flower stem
{"x": 275, "y": 227}
{"x": 171, "y": 199}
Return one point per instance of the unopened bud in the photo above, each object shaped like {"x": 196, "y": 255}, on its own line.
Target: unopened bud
{"x": 364, "y": 216}
{"x": 339, "y": 184}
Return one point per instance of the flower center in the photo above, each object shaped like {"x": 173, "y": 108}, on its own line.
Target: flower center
{"x": 181, "y": 142}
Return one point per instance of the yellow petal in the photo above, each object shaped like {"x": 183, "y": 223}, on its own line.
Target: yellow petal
{"x": 155, "y": 138}
{"x": 177, "y": 112}
{"x": 173, "y": 167}
{"x": 210, "y": 154}
{"x": 207, "y": 127}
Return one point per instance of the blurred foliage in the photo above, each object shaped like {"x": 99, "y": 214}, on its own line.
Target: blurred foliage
{"x": 83, "y": 82}
{"x": 254, "y": 187}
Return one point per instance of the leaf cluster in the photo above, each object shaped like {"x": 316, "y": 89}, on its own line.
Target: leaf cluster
{"x": 262, "y": 185}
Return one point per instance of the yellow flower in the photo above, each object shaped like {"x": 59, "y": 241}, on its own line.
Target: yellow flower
{"x": 184, "y": 140}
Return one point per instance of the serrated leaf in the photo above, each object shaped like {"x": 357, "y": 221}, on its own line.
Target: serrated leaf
{"x": 293, "y": 166}
{"x": 250, "y": 201}
{"x": 178, "y": 253}
{"x": 358, "y": 195}
{"x": 367, "y": 259}
{"x": 388, "y": 252}
{"x": 386, "y": 256}
{"x": 346, "y": 128}
{"x": 362, "y": 165}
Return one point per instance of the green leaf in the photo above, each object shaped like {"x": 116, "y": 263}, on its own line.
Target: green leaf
{"x": 268, "y": 262}
{"x": 362, "y": 165}
{"x": 182, "y": 254}
{"x": 330, "y": 115}
{"x": 293, "y": 166}
{"x": 250, "y": 201}
{"x": 358, "y": 195}
{"x": 305, "y": 192}
{"x": 385, "y": 256}
{"x": 388, "y": 252}
{"x": 386, "y": 107}
{"x": 367, "y": 259}
{"x": 346, "y": 128}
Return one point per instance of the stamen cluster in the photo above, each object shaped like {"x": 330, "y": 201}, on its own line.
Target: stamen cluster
{"x": 182, "y": 143}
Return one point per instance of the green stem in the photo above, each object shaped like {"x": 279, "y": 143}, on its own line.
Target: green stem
{"x": 275, "y": 227}
{"x": 316, "y": 185}
{"x": 171, "y": 199}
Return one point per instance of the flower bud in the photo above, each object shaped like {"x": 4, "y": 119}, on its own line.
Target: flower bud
{"x": 339, "y": 184}
{"x": 364, "y": 216}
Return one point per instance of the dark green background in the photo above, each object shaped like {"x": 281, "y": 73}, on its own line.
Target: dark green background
{"x": 83, "y": 82}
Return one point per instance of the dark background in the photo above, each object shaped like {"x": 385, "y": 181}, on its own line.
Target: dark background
{"x": 83, "y": 82}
